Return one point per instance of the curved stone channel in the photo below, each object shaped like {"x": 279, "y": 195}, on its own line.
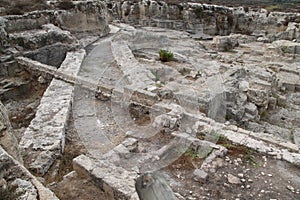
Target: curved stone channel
{"x": 99, "y": 65}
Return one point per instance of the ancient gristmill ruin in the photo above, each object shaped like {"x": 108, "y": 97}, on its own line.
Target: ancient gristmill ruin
{"x": 90, "y": 109}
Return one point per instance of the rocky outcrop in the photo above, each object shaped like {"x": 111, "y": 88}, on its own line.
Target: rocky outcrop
{"x": 210, "y": 19}
{"x": 14, "y": 174}
{"x": 34, "y": 39}
{"x": 90, "y": 17}
{"x": 285, "y": 46}
{"x": 46, "y": 36}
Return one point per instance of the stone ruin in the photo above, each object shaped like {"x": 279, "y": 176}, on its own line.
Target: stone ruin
{"x": 90, "y": 76}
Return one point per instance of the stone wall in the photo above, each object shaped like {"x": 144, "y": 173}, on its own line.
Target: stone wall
{"x": 194, "y": 17}
{"x": 85, "y": 16}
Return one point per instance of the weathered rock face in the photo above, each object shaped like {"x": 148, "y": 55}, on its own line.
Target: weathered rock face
{"x": 16, "y": 175}
{"x": 7, "y": 139}
{"x": 90, "y": 17}
{"x": 35, "y": 39}
{"x": 45, "y": 36}
{"x": 210, "y": 19}
{"x": 3, "y": 34}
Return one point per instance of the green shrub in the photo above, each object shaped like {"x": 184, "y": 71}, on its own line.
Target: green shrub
{"x": 165, "y": 55}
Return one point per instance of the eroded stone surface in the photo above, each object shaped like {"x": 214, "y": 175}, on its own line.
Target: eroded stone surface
{"x": 17, "y": 175}
{"x": 44, "y": 139}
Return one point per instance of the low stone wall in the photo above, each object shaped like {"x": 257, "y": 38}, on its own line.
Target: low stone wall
{"x": 44, "y": 139}
{"x": 116, "y": 182}
{"x": 138, "y": 75}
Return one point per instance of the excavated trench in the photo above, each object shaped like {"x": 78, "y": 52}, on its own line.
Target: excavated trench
{"x": 21, "y": 92}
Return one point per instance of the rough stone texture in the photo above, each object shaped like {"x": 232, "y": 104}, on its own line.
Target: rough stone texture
{"x": 34, "y": 39}
{"x": 26, "y": 189}
{"x": 139, "y": 77}
{"x": 288, "y": 81}
{"x": 90, "y": 15}
{"x": 53, "y": 54}
{"x": 28, "y": 21}
{"x": 44, "y": 139}
{"x": 151, "y": 186}
{"x": 233, "y": 179}
{"x": 249, "y": 87}
{"x": 3, "y": 33}
{"x": 285, "y": 46}
{"x": 13, "y": 171}
{"x": 296, "y": 135}
{"x": 225, "y": 43}
{"x": 210, "y": 19}
{"x": 106, "y": 176}
{"x": 72, "y": 63}
{"x": 7, "y": 138}
{"x": 200, "y": 175}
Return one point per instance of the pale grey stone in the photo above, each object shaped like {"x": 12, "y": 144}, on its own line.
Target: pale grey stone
{"x": 244, "y": 86}
{"x": 251, "y": 109}
{"x": 200, "y": 175}
{"x": 233, "y": 179}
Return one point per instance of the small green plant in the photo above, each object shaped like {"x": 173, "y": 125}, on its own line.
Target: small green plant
{"x": 165, "y": 55}
{"x": 159, "y": 84}
{"x": 252, "y": 161}
{"x": 192, "y": 153}
{"x": 156, "y": 74}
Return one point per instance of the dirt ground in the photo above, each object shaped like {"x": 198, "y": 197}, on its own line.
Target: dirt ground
{"x": 260, "y": 177}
